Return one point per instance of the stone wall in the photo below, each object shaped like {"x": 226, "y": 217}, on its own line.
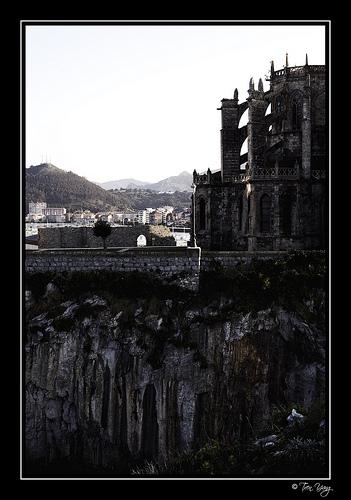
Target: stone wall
{"x": 83, "y": 237}
{"x": 211, "y": 261}
{"x": 178, "y": 262}
{"x": 222, "y": 229}
{"x": 183, "y": 263}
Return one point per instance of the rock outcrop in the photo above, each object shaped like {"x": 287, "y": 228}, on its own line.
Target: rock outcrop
{"x": 147, "y": 378}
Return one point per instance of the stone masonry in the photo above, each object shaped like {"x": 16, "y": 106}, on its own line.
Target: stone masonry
{"x": 185, "y": 264}
{"x": 83, "y": 237}
{"x": 178, "y": 262}
{"x": 273, "y": 197}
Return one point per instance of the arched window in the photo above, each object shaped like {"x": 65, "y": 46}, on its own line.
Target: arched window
{"x": 278, "y": 110}
{"x": 202, "y": 219}
{"x": 243, "y": 152}
{"x": 278, "y": 105}
{"x": 296, "y": 105}
{"x": 265, "y": 213}
{"x": 244, "y": 118}
{"x": 285, "y": 206}
{"x": 141, "y": 241}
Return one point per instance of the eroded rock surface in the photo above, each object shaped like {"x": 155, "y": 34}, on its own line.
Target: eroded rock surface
{"x": 150, "y": 378}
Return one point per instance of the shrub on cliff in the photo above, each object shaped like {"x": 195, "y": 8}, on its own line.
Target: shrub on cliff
{"x": 295, "y": 450}
{"x": 258, "y": 284}
{"x": 108, "y": 284}
{"x": 213, "y": 459}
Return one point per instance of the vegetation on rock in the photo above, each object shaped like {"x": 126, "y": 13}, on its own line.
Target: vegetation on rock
{"x": 154, "y": 323}
{"x": 280, "y": 280}
{"x": 293, "y": 450}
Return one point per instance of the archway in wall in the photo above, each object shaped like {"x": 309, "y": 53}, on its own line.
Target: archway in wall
{"x": 141, "y": 241}
{"x": 269, "y": 112}
{"x": 296, "y": 110}
{"x": 244, "y": 118}
{"x": 243, "y": 151}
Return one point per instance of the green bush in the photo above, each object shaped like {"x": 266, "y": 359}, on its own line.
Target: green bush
{"x": 123, "y": 285}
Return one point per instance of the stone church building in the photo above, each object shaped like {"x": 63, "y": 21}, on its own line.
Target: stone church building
{"x": 273, "y": 197}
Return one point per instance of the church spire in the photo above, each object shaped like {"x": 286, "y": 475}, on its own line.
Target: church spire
{"x": 236, "y": 94}
{"x": 286, "y": 60}
{"x": 306, "y": 60}
{"x": 252, "y": 84}
{"x": 260, "y": 85}
{"x": 272, "y": 68}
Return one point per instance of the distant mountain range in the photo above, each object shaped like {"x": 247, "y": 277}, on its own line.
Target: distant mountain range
{"x": 181, "y": 182}
{"x": 59, "y": 188}
{"x": 123, "y": 184}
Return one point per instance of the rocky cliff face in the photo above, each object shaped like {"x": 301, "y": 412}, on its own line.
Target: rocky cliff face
{"x": 107, "y": 382}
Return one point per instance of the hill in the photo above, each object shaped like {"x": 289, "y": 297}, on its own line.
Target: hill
{"x": 46, "y": 182}
{"x": 181, "y": 182}
{"x": 123, "y": 184}
{"x": 57, "y": 187}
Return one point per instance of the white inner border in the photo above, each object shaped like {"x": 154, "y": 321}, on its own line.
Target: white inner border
{"x": 98, "y": 22}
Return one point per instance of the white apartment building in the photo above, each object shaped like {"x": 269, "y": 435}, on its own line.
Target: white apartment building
{"x": 54, "y": 211}
{"x": 54, "y": 214}
{"x": 37, "y": 208}
{"x": 141, "y": 216}
{"x": 148, "y": 212}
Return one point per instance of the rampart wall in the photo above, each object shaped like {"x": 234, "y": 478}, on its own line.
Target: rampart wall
{"x": 184, "y": 264}
{"x": 83, "y": 237}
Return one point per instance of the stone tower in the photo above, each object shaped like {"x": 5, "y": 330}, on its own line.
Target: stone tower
{"x": 273, "y": 197}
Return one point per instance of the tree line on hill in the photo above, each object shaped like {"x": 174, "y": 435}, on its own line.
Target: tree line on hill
{"x": 59, "y": 188}
{"x": 144, "y": 198}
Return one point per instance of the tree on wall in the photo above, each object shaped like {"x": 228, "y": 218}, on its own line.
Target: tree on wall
{"x": 102, "y": 229}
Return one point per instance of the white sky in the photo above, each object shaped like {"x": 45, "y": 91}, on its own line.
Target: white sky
{"x": 111, "y": 102}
